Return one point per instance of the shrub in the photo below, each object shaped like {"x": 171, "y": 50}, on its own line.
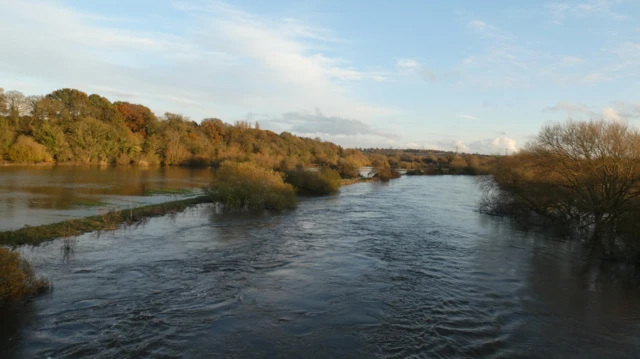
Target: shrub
{"x": 247, "y": 186}
{"x": 457, "y": 164}
{"x": 323, "y": 181}
{"x": 17, "y": 278}
{"x": 25, "y": 149}
{"x": 348, "y": 168}
{"x": 385, "y": 174}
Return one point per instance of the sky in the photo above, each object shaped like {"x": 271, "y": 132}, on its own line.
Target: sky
{"x": 479, "y": 76}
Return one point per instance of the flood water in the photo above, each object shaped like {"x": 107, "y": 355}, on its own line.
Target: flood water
{"x": 405, "y": 269}
{"x": 35, "y": 195}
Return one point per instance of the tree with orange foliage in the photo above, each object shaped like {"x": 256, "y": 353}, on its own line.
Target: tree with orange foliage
{"x": 138, "y": 118}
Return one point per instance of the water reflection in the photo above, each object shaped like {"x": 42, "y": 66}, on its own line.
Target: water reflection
{"x": 35, "y": 195}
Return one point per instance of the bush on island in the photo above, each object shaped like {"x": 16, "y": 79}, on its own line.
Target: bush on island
{"x": 323, "y": 181}
{"x": 247, "y": 186}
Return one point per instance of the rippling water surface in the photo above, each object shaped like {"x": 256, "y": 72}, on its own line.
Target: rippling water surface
{"x": 405, "y": 269}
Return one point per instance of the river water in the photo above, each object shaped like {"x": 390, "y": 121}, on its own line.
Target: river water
{"x": 404, "y": 269}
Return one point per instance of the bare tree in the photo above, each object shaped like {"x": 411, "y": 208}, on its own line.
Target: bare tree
{"x": 16, "y": 105}
{"x": 584, "y": 172}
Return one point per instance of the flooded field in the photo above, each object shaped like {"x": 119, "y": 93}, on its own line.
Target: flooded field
{"x": 35, "y": 195}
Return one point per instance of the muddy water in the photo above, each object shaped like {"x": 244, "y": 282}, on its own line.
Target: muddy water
{"x": 35, "y": 195}
{"x": 407, "y": 269}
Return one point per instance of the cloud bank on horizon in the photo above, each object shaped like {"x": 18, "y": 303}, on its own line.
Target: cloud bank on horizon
{"x": 479, "y": 77}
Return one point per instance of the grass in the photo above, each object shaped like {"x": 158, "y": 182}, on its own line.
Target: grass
{"x": 169, "y": 192}
{"x": 34, "y": 235}
{"x": 350, "y": 181}
{"x": 89, "y": 203}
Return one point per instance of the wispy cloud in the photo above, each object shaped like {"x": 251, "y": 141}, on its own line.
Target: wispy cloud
{"x": 506, "y": 61}
{"x": 468, "y": 117}
{"x": 559, "y": 11}
{"x": 412, "y": 65}
{"x": 618, "y": 111}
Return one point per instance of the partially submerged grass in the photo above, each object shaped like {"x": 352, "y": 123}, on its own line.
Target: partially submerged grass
{"x": 350, "y": 181}
{"x": 106, "y": 220}
{"x": 169, "y": 192}
{"x": 89, "y": 203}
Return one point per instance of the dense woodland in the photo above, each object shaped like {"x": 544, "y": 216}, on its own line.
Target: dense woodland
{"x": 69, "y": 126}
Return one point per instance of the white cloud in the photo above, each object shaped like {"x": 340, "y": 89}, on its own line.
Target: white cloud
{"x": 223, "y": 62}
{"x": 497, "y": 145}
{"x": 468, "y": 117}
{"x": 316, "y": 123}
{"x": 411, "y": 64}
{"x": 490, "y": 146}
{"x": 610, "y": 114}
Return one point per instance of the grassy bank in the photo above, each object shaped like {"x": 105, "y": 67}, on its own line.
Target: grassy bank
{"x": 106, "y": 221}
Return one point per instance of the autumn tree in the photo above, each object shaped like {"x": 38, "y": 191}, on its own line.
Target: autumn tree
{"x": 138, "y": 118}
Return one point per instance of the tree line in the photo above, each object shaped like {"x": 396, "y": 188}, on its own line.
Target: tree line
{"x": 69, "y": 125}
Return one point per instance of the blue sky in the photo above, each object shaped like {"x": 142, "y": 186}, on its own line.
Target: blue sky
{"x": 480, "y": 75}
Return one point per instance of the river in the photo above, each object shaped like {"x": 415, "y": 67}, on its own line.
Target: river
{"x": 404, "y": 269}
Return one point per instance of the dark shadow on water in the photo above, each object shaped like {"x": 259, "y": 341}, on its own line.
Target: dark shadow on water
{"x": 13, "y": 319}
